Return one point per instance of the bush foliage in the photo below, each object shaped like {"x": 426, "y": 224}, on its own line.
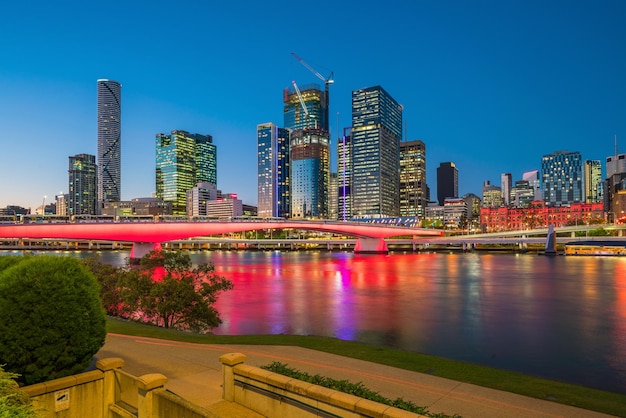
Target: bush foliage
{"x": 165, "y": 289}
{"x": 51, "y": 318}
{"x": 356, "y": 389}
{"x": 13, "y": 402}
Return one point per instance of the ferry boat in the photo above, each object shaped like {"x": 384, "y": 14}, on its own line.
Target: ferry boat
{"x": 595, "y": 248}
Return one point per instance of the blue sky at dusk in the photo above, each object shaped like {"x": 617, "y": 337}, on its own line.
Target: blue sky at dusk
{"x": 490, "y": 85}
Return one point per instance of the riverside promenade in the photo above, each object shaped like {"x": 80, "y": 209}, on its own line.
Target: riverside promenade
{"x": 194, "y": 372}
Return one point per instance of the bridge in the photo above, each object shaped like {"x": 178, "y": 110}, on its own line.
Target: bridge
{"x": 147, "y": 236}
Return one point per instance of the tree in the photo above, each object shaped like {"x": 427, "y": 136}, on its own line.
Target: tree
{"x": 14, "y": 403}
{"x": 108, "y": 277}
{"x": 169, "y": 292}
{"x": 51, "y": 319}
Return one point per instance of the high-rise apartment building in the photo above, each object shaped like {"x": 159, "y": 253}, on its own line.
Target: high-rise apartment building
{"x": 447, "y": 182}
{"x": 594, "y": 186}
{"x": 109, "y": 141}
{"x": 182, "y": 161}
{"x": 506, "y": 184}
{"x": 344, "y": 175}
{"x": 413, "y": 190}
{"x": 562, "y": 178}
{"x": 273, "y": 171}
{"x": 309, "y": 153}
{"x": 376, "y": 134}
{"x": 83, "y": 185}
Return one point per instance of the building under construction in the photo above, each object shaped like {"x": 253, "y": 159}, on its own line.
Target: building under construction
{"x": 305, "y": 114}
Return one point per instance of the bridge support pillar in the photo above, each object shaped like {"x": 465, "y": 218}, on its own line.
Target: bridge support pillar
{"x": 371, "y": 246}
{"x": 551, "y": 241}
{"x": 142, "y": 248}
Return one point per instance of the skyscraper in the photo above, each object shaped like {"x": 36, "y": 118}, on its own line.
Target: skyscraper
{"x": 309, "y": 153}
{"x": 593, "y": 182}
{"x": 344, "y": 175}
{"x": 447, "y": 181}
{"x": 506, "y": 184}
{"x": 182, "y": 161}
{"x": 273, "y": 171}
{"x": 295, "y": 116}
{"x": 376, "y": 134}
{"x": 413, "y": 191}
{"x": 82, "y": 196}
{"x": 109, "y": 141}
{"x": 562, "y": 178}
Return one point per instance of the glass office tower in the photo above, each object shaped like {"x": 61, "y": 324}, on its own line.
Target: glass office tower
{"x": 309, "y": 153}
{"x": 182, "y": 161}
{"x": 413, "y": 190}
{"x": 344, "y": 176}
{"x": 594, "y": 184}
{"x": 376, "y": 134}
{"x": 83, "y": 184}
{"x": 109, "y": 141}
{"x": 273, "y": 171}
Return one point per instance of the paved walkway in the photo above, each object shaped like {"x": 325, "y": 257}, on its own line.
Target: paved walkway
{"x": 194, "y": 373}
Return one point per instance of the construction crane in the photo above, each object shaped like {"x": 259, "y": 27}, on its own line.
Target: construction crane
{"x": 327, "y": 81}
{"x": 307, "y": 115}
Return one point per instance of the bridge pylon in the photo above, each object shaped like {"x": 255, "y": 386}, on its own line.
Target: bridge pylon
{"x": 143, "y": 248}
{"x": 371, "y": 246}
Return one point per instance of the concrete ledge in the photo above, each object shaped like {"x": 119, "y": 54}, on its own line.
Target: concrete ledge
{"x": 35, "y": 390}
{"x": 63, "y": 383}
{"x": 88, "y": 377}
{"x": 371, "y": 408}
{"x": 279, "y": 380}
{"x": 150, "y": 381}
{"x": 284, "y": 390}
{"x": 110, "y": 363}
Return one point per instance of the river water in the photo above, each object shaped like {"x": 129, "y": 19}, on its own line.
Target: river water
{"x": 562, "y": 318}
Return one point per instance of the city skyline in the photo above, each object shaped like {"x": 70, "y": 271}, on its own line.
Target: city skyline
{"x": 491, "y": 87}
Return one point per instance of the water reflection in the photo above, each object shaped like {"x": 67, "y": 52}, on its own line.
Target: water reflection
{"x": 558, "y": 317}
{"x": 555, "y": 317}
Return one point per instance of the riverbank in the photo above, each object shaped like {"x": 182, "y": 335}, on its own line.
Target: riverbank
{"x": 567, "y": 394}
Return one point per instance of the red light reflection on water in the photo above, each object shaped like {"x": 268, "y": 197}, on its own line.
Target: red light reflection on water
{"x": 340, "y": 296}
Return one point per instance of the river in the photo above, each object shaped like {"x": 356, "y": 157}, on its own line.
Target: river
{"x": 562, "y": 318}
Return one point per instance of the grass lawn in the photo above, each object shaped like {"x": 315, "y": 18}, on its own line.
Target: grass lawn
{"x": 586, "y": 398}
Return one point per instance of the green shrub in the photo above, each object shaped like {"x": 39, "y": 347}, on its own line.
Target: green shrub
{"x": 13, "y": 402}
{"x": 356, "y": 389}
{"x": 10, "y": 261}
{"x": 51, "y": 319}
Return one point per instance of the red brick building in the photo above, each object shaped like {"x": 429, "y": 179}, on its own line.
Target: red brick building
{"x": 540, "y": 215}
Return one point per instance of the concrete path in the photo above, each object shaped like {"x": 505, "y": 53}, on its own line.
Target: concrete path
{"x": 194, "y": 373}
